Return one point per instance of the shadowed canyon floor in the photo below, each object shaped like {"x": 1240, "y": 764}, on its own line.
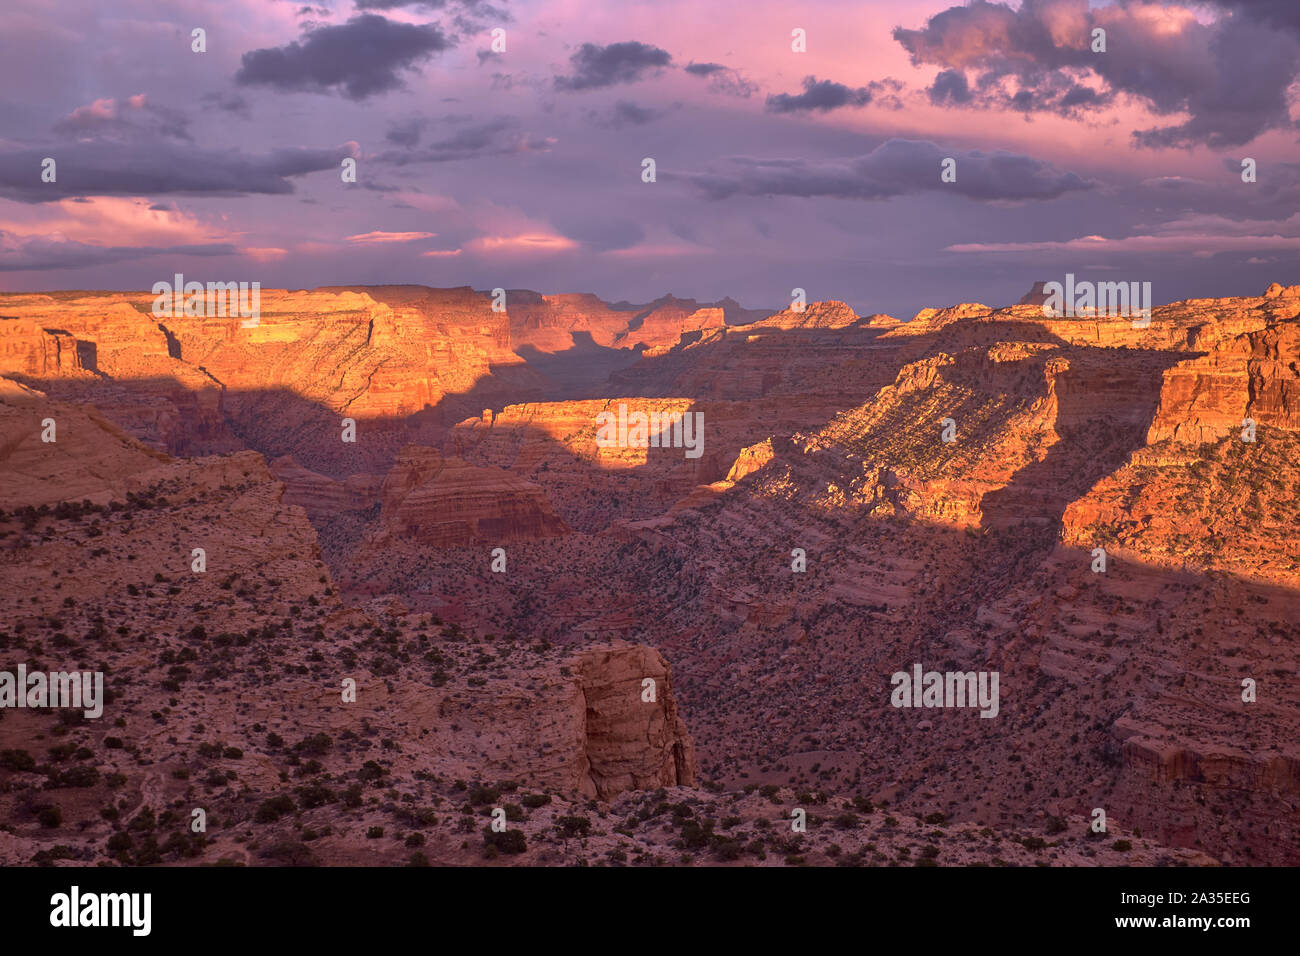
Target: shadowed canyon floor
{"x": 612, "y": 644}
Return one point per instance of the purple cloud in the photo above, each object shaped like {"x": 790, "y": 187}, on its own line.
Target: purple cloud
{"x": 599, "y": 66}
{"x": 363, "y": 57}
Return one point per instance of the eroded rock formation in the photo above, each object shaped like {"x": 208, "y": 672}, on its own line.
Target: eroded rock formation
{"x": 441, "y": 502}
{"x": 828, "y": 536}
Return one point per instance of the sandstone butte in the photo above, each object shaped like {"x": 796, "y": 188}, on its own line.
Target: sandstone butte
{"x": 527, "y": 689}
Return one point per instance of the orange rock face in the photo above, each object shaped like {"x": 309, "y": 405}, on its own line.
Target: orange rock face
{"x": 89, "y": 457}
{"x": 635, "y": 739}
{"x": 750, "y": 460}
{"x": 1076, "y": 504}
{"x": 1254, "y": 375}
{"x": 322, "y": 495}
{"x": 579, "y": 725}
{"x": 442, "y": 502}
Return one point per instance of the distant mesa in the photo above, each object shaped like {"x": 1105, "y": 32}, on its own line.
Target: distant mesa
{"x": 1035, "y": 296}
{"x": 831, "y": 314}
{"x": 1279, "y": 291}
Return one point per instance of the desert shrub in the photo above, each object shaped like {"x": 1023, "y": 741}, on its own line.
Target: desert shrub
{"x": 508, "y": 841}
{"x": 120, "y": 843}
{"x": 317, "y": 745}
{"x": 573, "y": 826}
{"x": 728, "y": 848}
{"x": 183, "y": 844}
{"x": 17, "y": 760}
{"x": 272, "y": 809}
{"x": 290, "y": 853}
{"x": 49, "y": 817}
{"x": 73, "y": 777}
{"x": 314, "y": 795}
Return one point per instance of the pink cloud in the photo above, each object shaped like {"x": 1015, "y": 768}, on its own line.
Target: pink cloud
{"x": 391, "y": 236}
{"x": 112, "y": 221}
{"x": 106, "y": 108}
{"x": 264, "y": 253}
{"x": 534, "y": 242}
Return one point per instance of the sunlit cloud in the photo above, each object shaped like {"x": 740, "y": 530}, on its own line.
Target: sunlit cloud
{"x": 110, "y": 220}
{"x": 391, "y": 236}
{"x": 523, "y": 243}
{"x": 264, "y": 253}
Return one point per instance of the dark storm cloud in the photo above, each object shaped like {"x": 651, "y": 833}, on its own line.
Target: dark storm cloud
{"x": 1242, "y": 94}
{"x": 363, "y": 57}
{"x": 496, "y": 137}
{"x": 229, "y": 102}
{"x": 33, "y": 253}
{"x": 399, "y": 4}
{"x": 473, "y": 6}
{"x": 1230, "y": 76}
{"x": 723, "y": 79}
{"x": 626, "y": 113}
{"x": 599, "y": 66}
{"x": 1274, "y": 197}
{"x": 1080, "y": 96}
{"x": 1278, "y": 13}
{"x": 599, "y": 233}
{"x": 119, "y": 169}
{"x": 407, "y": 133}
{"x": 894, "y": 168}
{"x": 821, "y": 95}
{"x": 464, "y": 15}
{"x": 950, "y": 86}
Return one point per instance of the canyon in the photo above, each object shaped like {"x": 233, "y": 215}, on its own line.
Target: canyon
{"x": 645, "y": 657}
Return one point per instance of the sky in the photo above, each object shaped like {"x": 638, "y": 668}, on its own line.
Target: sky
{"x": 775, "y": 167}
